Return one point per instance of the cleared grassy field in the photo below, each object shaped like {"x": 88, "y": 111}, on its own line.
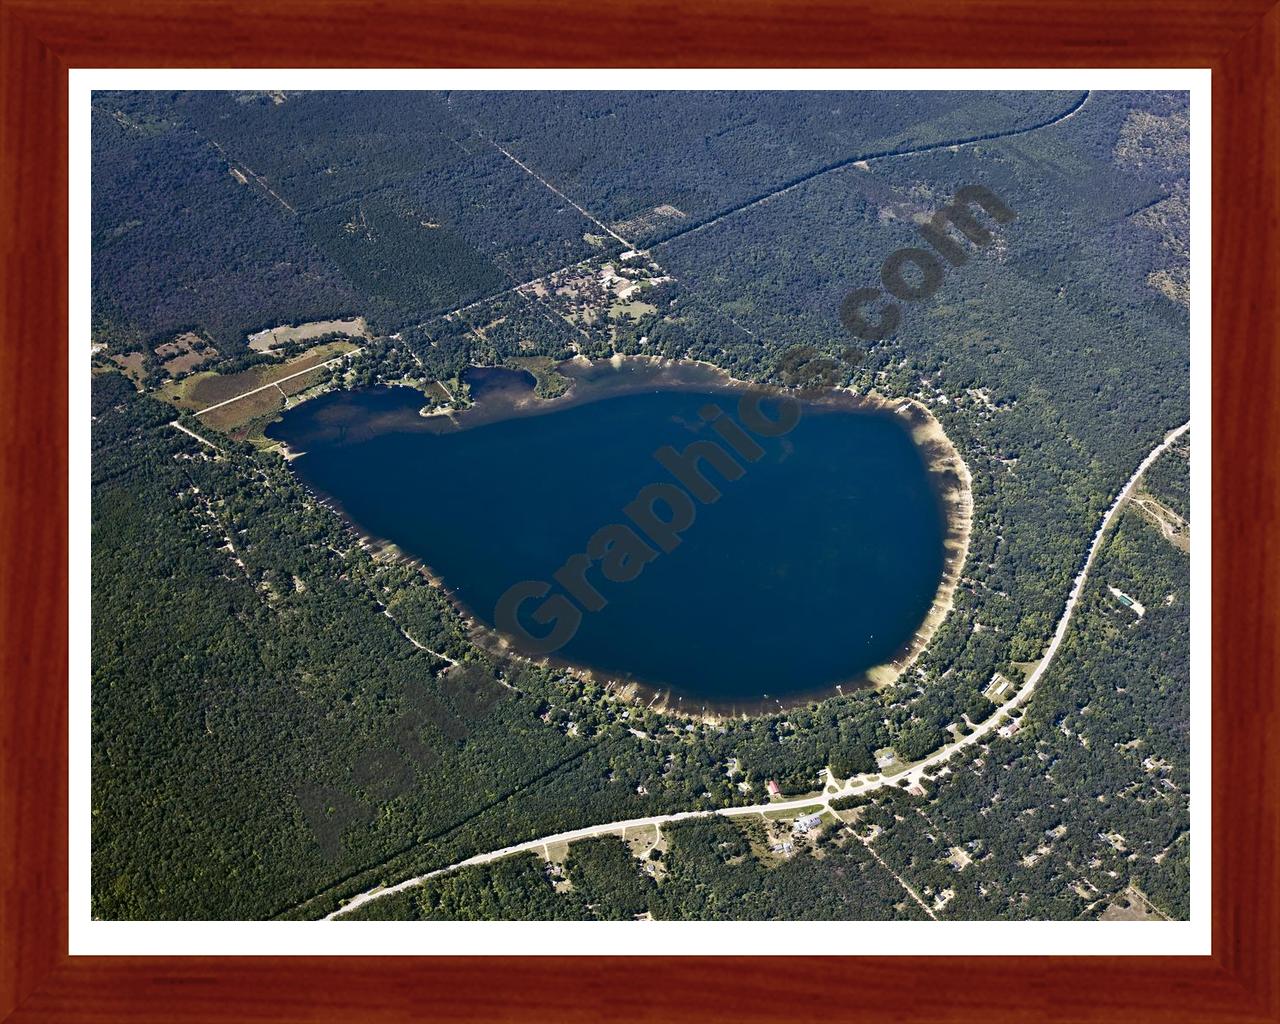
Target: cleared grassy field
{"x": 265, "y": 341}
{"x": 801, "y": 813}
{"x": 132, "y": 366}
{"x": 302, "y": 382}
{"x": 181, "y": 354}
{"x": 228, "y": 418}
{"x": 435, "y": 390}
{"x": 202, "y": 390}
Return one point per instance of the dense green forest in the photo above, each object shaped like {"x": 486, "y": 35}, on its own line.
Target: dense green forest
{"x": 232, "y": 212}
{"x": 1170, "y": 479}
{"x": 272, "y": 733}
{"x": 178, "y": 243}
{"x": 692, "y": 159}
{"x": 236, "y": 211}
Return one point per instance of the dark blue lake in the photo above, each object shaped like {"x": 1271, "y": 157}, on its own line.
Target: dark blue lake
{"x": 818, "y": 563}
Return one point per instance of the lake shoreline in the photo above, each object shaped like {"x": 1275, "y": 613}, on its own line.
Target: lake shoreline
{"x": 947, "y": 473}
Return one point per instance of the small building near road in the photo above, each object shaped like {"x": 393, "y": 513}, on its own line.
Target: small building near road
{"x": 1010, "y": 728}
{"x": 1136, "y": 607}
{"x": 997, "y": 689}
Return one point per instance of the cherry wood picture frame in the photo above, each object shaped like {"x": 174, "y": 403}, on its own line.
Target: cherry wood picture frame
{"x": 41, "y": 39}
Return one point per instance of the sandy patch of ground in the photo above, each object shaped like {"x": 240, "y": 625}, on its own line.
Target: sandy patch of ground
{"x": 274, "y": 337}
{"x": 1132, "y": 905}
{"x": 648, "y": 221}
{"x": 958, "y": 858}
{"x": 184, "y": 353}
{"x": 132, "y": 366}
{"x": 1172, "y": 527}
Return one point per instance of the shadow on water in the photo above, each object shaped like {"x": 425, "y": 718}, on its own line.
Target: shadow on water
{"x": 487, "y": 381}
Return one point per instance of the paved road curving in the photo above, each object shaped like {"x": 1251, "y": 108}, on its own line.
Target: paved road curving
{"x": 859, "y": 784}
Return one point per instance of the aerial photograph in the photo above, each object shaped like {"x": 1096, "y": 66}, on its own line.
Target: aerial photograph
{"x": 625, "y": 505}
